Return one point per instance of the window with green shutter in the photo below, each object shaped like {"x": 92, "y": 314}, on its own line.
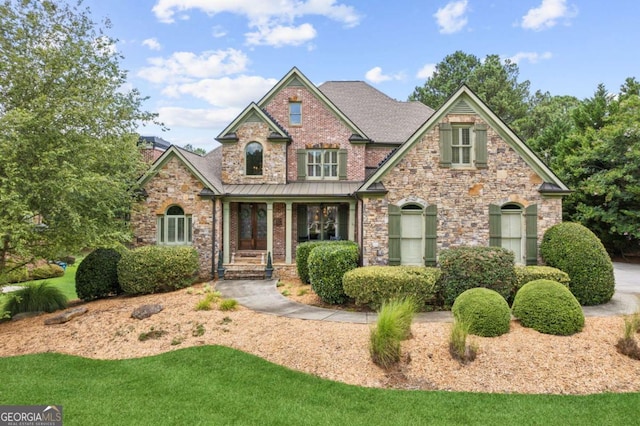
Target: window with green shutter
{"x": 395, "y": 216}
{"x": 322, "y": 164}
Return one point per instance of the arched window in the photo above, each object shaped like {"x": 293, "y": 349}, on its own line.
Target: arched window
{"x": 253, "y": 159}
{"x": 174, "y": 227}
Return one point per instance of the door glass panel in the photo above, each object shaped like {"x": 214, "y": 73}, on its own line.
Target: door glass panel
{"x": 262, "y": 223}
{"x": 245, "y": 221}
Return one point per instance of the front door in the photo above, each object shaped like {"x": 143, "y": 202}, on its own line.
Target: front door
{"x": 252, "y": 229}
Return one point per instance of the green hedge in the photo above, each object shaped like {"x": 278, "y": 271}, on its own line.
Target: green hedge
{"x": 525, "y": 274}
{"x": 153, "y": 269}
{"x": 43, "y": 272}
{"x": 327, "y": 264}
{"x": 485, "y": 312}
{"x": 469, "y": 267}
{"x": 577, "y": 251}
{"x": 302, "y": 256}
{"x": 548, "y": 307}
{"x": 97, "y": 275}
{"x": 374, "y": 285}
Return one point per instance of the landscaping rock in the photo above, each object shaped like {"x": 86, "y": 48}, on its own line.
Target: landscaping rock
{"x": 145, "y": 311}
{"x": 22, "y": 315}
{"x": 66, "y": 316}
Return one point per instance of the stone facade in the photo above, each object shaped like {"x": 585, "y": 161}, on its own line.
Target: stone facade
{"x": 174, "y": 184}
{"x": 462, "y": 196}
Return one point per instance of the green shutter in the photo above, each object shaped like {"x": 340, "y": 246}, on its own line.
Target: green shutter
{"x": 303, "y": 232}
{"x": 445, "y": 145}
{"x": 343, "y": 221}
{"x": 342, "y": 164}
{"x": 431, "y": 234}
{"x": 394, "y": 235}
{"x": 531, "y": 221}
{"x": 302, "y": 164}
{"x": 495, "y": 226}
{"x": 481, "y": 146}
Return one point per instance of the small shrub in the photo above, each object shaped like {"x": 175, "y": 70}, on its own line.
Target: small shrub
{"x": 469, "y": 267}
{"x": 205, "y": 304}
{"x": 548, "y": 307}
{"x": 97, "y": 275}
{"x": 153, "y": 269}
{"x": 627, "y": 345}
{"x": 14, "y": 273}
{"x": 373, "y": 285}
{"x": 38, "y": 297}
{"x": 303, "y": 291}
{"x": 577, "y": 251}
{"x": 302, "y": 256}
{"x": 484, "y": 311}
{"x": 46, "y": 271}
{"x": 458, "y": 347}
{"x": 525, "y": 274}
{"x": 176, "y": 341}
{"x": 327, "y": 265}
{"x": 286, "y": 292}
{"x": 151, "y": 334}
{"x": 198, "y": 330}
{"x": 392, "y": 326}
{"x": 229, "y": 305}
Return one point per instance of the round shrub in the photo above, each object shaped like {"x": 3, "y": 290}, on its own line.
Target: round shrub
{"x": 576, "y": 250}
{"x": 38, "y": 297}
{"x": 374, "y": 285}
{"x": 153, "y": 269}
{"x": 484, "y": 311}
{"x": 548, "y": 307}
{"x": 43, "y": 272}
{"x": 469, "y": 267}
{"x": 302, "y": 256}
{"x": 97, "y": 275}
{"x": 530, "y": 273}
{"x": 327, "y": 265}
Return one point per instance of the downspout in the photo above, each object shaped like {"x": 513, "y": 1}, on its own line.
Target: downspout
{"x": 361, "y": 224}
{"x": 213, "y": 238}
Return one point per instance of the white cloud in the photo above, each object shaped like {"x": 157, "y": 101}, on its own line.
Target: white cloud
{"x": 152, "y": 43}
{"x": 224, "y": 92}
{"x": 279, "y": 36}
{"x": 532, "y": 57}
{"x": 451, "y": 18}
{"x": 426, "y": 71}
{"x": 547, "y": 15}
{"x": 185, "y": 66}
{"x": 375, "y": 75}
{"x": 197, "y": 118}
{"x": 274, "y": 20}
{"x": 218, "y": 31}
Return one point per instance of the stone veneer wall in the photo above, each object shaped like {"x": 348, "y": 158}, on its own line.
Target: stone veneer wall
{"x": 320, "y": 128}
{"x": 175, "y": 185}
{"x": 273, "y": 156}
{"x": 461, "y": 195}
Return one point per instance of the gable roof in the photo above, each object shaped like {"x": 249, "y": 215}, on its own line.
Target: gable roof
{"x": 253, "y": 113}
{"x": 382, "y": 118}
{"x": 464, "y": 100}
{"x": 295, "y": 77}
{"x": 205, "y": 168}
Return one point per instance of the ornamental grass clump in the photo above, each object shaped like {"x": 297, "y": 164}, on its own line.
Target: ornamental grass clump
{"x": 458, "y": 347}
{"x": 627, "y": 345}
{"x": 38, "y": 297}
{"x": 392, "y": 326}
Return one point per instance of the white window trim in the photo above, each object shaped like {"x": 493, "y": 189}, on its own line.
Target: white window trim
{"x": 162, "y": 227}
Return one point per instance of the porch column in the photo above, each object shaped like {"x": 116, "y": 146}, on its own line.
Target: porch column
{"x": 226, "y": 246}
{"x": 352, "y": 221}
{"x": 289, "y": 232}
{"x": 270, "y": 227}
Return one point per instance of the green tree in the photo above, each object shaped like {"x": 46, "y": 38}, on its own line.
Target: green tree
{"x": 68, "y": 153}
{"x": 494, "y": 81}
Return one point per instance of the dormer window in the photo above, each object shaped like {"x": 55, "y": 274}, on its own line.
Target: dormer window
{"x": 253, "y": 159}
{"x": 295, "y": 113}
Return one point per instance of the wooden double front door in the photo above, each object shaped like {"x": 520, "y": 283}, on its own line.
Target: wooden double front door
{"x": 252, "y": 226}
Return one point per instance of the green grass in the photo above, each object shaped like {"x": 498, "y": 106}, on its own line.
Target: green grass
{"x": 217, "y": 385}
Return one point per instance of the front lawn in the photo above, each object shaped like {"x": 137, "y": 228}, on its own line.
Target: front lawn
{"x": 218, "y": 385}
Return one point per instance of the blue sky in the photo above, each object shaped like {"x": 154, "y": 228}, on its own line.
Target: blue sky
{"x": 202, "y": 61}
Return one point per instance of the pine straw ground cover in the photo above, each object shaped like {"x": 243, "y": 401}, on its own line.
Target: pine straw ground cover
{"x": 521, "y": 361}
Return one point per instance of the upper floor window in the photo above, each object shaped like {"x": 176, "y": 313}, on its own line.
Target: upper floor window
{"x": 253, "y": 159}
{"x": 322, "y": 164}
{"x": 174, "y": 227}
{"x": 461, "y": 146}
{"x": 295, "y": 113}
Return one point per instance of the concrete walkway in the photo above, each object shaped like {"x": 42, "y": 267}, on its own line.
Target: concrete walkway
{"x": 263, "y": 296}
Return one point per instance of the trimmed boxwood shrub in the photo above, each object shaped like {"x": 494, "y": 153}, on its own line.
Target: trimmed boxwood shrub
{"x": 97, "y": 275}
{"x": 153, "y": 269}
{"x": 525, "y": 274}
{"x": 374, "y": 285}
{"x": 43, "y": 272}
{"x": 327, "y": 264}
{"x": 548, "y": 307}
{"x": 469, "y": 267}
{"x": 577, "y": 251}
{"x": 302, "y": 256}
{"x": 485, "y": 312}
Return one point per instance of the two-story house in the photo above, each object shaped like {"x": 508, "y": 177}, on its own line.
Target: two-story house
{"x": 344, "y": 161}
